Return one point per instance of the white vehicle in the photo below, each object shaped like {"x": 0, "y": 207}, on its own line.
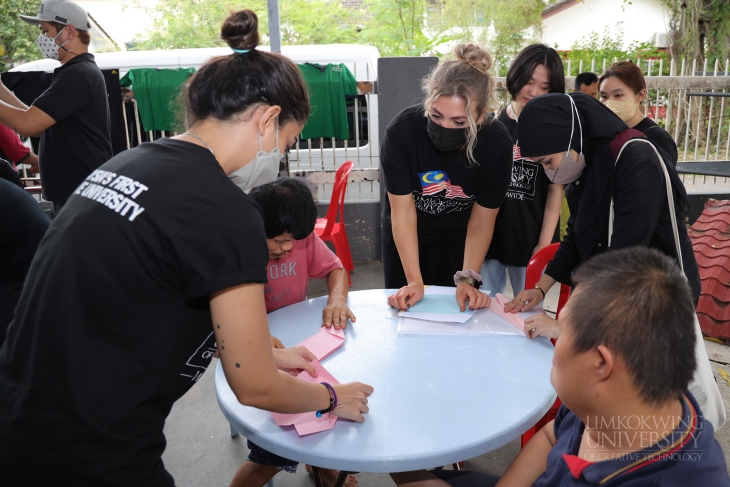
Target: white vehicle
{"x": 310, "y": 155}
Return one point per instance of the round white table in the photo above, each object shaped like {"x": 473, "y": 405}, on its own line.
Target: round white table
{"x": 438, "y": 400}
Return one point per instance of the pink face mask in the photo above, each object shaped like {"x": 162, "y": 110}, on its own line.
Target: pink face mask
{"x": 569, "y": 170}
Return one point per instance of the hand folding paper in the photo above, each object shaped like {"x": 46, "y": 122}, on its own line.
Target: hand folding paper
{"x": 308, "y": 423}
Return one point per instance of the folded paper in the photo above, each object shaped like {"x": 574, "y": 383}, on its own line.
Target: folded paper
{"x": 308, "y": 423}
{"x": 517, "y": 319}
{"x": 325, "y": 341}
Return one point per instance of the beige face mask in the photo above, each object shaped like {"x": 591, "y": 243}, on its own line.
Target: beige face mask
{"x": 624, "y": 109}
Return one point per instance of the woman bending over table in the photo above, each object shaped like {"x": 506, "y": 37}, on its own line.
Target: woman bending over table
{"x": 157, "y": 259}
{"x": 577, "y": 140}
{"x": 446, "y": 165}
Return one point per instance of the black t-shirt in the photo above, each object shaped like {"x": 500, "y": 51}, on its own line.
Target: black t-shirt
{"x": 659, "y": 136}
{"x": 114, "y": 324}
{"x": 519, "y": 221}
{"x": 443, "y": 185}
{"x": 80, "y": 140}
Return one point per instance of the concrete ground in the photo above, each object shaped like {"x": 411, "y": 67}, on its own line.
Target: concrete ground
{"x": 200, "y": 451}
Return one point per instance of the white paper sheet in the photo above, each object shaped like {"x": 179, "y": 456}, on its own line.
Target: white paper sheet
{"x": 439, "y": 317}
{"x": 484, "y": 322}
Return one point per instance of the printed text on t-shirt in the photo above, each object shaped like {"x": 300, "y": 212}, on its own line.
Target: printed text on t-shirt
{"x": 116, "y": 192}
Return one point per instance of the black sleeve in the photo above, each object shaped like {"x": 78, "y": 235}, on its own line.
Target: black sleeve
{"x": 68, "y": 94}
{"x": 662, "y": 138}
{"x": 640, "y": 193}
{"x": 395, "y": 164}
{"x": 566, "y": 258}
{"x": 493, "y": 190}
{"x": 221, "y": 249}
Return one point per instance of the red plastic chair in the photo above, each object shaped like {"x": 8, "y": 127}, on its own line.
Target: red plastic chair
{"x": 535, "y": 268}
{"x": 332, "y": 226}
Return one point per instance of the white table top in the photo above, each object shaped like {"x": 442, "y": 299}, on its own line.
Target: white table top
{"x": 437, "y": 399}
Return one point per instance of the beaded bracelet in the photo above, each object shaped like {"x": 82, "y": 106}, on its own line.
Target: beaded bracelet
{"x": 333, "y": 400}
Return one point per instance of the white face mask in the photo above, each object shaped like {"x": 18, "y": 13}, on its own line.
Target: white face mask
{"x": 569, "y": 170}
{"x": 48, "y": 45}
{"x": 624, "y": 109}
{"x": 262, "y": 170}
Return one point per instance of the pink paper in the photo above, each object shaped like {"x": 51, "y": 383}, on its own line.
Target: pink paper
{"x": 308, "y": 423}
{"x": 325, "y": 341}
{"x": 497, "y": 305}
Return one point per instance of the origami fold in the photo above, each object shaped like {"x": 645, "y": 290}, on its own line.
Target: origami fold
{"x": 325, "y": 341}
{"x": 308, "y": 423}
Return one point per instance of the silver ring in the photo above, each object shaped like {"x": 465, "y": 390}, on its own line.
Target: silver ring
{"x": 533, "y": 329}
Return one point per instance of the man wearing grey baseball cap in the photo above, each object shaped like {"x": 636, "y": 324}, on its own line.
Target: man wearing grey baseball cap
{"x": 72, "y": 115}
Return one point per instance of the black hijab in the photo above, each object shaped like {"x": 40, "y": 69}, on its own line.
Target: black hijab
{"x": 545, "y": 123}
{"x": 544, "y": 128}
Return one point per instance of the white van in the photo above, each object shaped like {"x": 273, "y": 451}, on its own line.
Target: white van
{"x": 318, "y": 156}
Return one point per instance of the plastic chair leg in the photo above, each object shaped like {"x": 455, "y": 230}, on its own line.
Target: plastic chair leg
{"x": 342, "y": 248}
{"x": 234, "y": 432}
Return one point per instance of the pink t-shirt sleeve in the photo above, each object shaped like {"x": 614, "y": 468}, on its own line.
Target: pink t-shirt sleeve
{"x": 320, "y": 259}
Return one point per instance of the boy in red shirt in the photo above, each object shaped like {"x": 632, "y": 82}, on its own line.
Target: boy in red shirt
{"x": 296, "y": 254}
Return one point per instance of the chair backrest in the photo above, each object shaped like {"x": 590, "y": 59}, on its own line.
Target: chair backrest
{"x": 536, "y": 267}
{"x": 337, "y": 202}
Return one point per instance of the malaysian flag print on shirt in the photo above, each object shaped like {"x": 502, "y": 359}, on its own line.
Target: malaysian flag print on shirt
{"x": 433, "y": 182}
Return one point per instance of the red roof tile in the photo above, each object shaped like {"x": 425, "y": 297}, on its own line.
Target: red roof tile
{"x": 710, "y": 236}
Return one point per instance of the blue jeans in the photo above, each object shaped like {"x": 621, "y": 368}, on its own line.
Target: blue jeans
{"x": 494, "y": 277}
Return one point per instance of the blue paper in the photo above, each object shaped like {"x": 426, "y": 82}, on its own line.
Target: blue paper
{"x": 436, "y": 303}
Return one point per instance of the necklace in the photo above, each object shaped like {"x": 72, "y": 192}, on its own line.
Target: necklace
{"x": 200, "y": 139}
{"x": 512, "y": 106}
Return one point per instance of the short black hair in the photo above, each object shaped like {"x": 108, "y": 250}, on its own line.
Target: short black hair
{"x": 288, "y": 207}
{"x": 636, "y": 301}
{"x": 524, "y": 65}
{"x": 586, "y": 78}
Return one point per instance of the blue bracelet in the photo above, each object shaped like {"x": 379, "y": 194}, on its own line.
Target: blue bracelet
{"x": 333, "y": 400}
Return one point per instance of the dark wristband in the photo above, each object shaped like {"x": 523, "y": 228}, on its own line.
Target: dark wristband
{"x": 333, "y": 400}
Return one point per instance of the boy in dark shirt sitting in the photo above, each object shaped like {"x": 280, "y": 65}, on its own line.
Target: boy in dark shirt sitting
{"x": 622, "y": 365}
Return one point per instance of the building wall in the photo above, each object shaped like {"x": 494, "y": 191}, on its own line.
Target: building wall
{"x": 635, "y": 21}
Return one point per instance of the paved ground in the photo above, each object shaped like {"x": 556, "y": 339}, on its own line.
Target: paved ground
{"x": 200, "y": 451}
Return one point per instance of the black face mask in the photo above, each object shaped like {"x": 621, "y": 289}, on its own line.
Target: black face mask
{"x": 446, "y": 139}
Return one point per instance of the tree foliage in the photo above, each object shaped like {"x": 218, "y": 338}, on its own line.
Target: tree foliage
{"x": 17, "y": 37}
{"x": 395, "y": 27}
{"x": 611, "y": 48}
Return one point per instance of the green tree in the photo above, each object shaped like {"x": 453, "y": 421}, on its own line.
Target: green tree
{"x": 16, "y": 37}
{"x": 398, "y": 28}
{"x": 505, "y": 26}
{"x": 180, "y": 24}
{"x": 611, "y": 48}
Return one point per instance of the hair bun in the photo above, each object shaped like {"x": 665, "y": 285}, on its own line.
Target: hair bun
{"x": 241, "y": 30}
{"x": 475, "y": 56}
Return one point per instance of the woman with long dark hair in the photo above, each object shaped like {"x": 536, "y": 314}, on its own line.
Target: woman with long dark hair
{"x": 528, "y": 216}
{"x": 156, "y": 260}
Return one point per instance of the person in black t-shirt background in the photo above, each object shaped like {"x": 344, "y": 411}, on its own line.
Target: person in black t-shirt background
{"x": 446, "y": 166}
{"x": 527, "y": 219}
{"x": 72, "y": 115}
{"x": 157, "y": 260}
{"x": 623, "y": 88}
